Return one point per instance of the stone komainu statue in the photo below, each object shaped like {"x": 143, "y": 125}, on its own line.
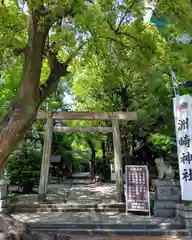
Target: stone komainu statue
{"x": 164, "y": 171}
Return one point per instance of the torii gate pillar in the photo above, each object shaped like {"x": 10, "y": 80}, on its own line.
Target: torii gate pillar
{"x": 118, "y": 162}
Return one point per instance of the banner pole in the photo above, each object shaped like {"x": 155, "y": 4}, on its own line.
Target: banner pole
{"x": 174, "y": 81}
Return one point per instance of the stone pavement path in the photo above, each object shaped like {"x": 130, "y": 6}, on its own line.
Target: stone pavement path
{"x": 92, "y": 193}
{"x": 89, "y": 217}
{"x": 56, "y": 193}
{"x": 75, "y": 191}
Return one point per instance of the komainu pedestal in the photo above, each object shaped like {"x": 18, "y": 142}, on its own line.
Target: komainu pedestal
{"x": 167, "y": 195}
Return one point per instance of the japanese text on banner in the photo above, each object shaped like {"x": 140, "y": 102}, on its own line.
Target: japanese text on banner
{"x": 183, "y": 122}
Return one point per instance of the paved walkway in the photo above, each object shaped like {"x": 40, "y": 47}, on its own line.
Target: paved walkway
{"x": 92, "y": 193}
{"x": 76, "y": 191}
{"x": 73, "y": 193}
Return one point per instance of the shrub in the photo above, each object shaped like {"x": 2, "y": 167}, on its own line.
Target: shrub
{"x": 23, "y": 168}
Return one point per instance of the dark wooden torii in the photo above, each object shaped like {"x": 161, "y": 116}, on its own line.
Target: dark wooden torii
{"x": 106, "y": 116}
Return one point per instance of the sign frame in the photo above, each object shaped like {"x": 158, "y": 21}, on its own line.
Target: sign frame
{"x": 126, "y": 188}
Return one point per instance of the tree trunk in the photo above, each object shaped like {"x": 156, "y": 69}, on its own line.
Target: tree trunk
{"x": 92, "y": 160}
{"x": 92, "y": 170}
{"x": 131, "y": 149}
{"x": 13, "y": 128}
{"x": 22, "y": 113}
{"x": 128, "y": 150}
{"x": 104, "y": 162}
{"x": 124, "y": 150}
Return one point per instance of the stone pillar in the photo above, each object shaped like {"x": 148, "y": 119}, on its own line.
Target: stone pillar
{"x": 167, "y": 195}
{"x": 3, "y": 193}
{"x": 45, "y": 161}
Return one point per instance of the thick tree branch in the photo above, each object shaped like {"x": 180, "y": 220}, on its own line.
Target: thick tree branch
{"x": 59, "y": 70}
{"x": 51, "y": 54}
{"x": 122, "y": 19}
{"x": 39, "y": 26}
{"x": 153, "y": 11}
{"x": 124, "y": 16}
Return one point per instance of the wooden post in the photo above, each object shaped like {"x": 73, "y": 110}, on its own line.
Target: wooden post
{"x": 118, "y": 161}
{"x": 45, "y": 160}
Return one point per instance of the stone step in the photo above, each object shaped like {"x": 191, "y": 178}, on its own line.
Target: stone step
{"x": 49, "y": 210}
{"x": 98, "y": 225}
{"x": 114, "y": 232}
{"x": 68, "y": 205}
{"x": 31, "y": 208}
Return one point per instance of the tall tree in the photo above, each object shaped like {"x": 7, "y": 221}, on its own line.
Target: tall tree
{"x": 115, "y": 80}
{"x": 42, "y": 34}
{"x": 33, "y": 45}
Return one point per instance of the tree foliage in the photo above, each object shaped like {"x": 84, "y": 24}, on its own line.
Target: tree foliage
{"x": 112, "y": 59}
{"x": 122, "y": 61}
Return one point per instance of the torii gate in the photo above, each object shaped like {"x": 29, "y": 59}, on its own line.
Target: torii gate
{"x": 106, "y": 116}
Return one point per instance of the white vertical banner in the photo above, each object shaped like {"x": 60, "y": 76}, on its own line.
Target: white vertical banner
{"x": 183, "y": 126}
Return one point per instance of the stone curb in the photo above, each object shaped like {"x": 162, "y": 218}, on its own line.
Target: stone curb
{"x": 32, "y": 208}
{"x": 102, "y": 225}
{"x": 66, "y": 205}
{"x": 62, "y": 210}
{"x": 118, "y": 232}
